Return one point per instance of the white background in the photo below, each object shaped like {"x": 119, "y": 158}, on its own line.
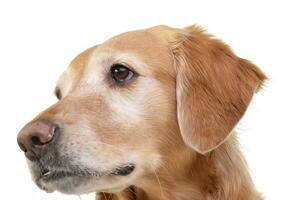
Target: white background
{"x": 39, "y": 38}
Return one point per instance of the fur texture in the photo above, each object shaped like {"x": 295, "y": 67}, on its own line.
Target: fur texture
{"x": 175, "y": 121}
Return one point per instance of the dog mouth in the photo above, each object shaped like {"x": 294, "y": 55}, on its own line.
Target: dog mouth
{"x": 79, "y": 181}
{"x": 54, "y": 174}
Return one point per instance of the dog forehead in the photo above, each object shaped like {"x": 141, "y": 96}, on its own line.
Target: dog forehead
{"x": 143, "y": 41}
{"x": 148, "y": 44}
{"x": 151, "y": 45}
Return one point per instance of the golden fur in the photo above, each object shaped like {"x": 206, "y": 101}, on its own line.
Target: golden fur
{"x": 191, "y": 93}
{"x": 216, "y": 88}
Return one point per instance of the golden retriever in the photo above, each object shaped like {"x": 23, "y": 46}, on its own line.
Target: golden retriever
{"x": 148, "y": 114}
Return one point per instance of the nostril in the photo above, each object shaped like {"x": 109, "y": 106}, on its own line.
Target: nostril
{"x": 35, "y": 140}
{"x": 44, "y": 135}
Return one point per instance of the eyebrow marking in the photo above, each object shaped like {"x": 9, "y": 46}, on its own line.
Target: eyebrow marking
{"x": 57, "y": 93}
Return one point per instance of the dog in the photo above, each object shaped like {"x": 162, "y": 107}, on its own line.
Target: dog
{"x": 148, "y": 114}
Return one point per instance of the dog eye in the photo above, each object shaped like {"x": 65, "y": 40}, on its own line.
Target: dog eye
{"x": 121, "y": 74}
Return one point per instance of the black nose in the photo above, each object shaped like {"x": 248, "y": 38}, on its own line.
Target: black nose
{"x": 35, "y": 138}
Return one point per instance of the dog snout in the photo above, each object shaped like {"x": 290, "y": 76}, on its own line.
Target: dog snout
{"x": 35, "y": 137}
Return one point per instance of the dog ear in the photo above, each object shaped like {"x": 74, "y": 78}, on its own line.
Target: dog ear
{"x": 213, "y": 88}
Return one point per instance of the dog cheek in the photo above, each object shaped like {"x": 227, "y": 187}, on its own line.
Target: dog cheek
{"x": 124, "y": 110}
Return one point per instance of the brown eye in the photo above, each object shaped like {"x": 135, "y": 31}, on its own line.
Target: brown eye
{"x": 121, "y": 74}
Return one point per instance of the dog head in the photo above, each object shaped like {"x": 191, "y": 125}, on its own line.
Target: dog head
{"x": 129, "y": 104}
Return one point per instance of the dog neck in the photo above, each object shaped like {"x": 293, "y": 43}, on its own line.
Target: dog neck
{"x": 220, "y": 174}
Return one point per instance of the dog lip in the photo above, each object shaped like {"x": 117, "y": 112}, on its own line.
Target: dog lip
{"x": 124, "y": 170}
{"x": 52, "y": 174}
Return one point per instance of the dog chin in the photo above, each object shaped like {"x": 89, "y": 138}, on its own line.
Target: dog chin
{"x": 82, "y": 185}
{"x": 67, "y": 185}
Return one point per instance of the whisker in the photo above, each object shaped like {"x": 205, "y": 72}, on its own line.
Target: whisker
{"x": 110, "y": 145}
{"x": 158, "y": 180}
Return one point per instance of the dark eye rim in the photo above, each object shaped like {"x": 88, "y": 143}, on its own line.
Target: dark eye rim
{"x": 134, "y": 73}
{"x": 57, "y": 93}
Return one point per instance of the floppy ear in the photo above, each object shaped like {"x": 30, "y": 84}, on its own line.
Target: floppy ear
{"x": 213, "y": 88}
